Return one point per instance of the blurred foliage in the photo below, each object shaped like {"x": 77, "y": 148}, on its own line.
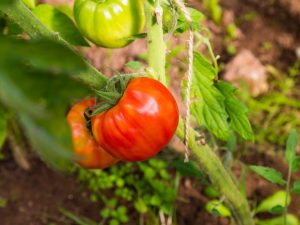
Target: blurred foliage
{"x": 147, "y": 186}
{"x": 36, "y": 88}
{"x": 214, "y": 9}
{"x": 56, "y": 20}
{"x": 275, "y": 113}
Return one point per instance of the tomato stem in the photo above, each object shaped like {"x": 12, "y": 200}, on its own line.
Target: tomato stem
{"x": 22, "y": 16}
{"x": 156, "y": 43}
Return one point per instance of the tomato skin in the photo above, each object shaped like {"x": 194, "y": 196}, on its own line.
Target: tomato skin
{"x": 92, "y": 156}
{"x": 140, "y": 124}
{"x": 109, "y": 23}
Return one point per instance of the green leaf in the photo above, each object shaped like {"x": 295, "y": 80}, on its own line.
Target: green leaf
{"x": 135, "y": 65}
{"x": 41, "y": 97}
{"x": 296, "y": 163}
{"x": 211, "y": 192}
{"x": 296, "y": 187}
{"x": 66, "y": 9}
{"x": 291, "y": 220}
{"x": 269, "y": 174}
{"x": 105, "y": 213}
{"x": 216, "y": 208}
{"x": 78, "y": 220}
{"x": 232, "y": 143}
{"x": 274, "y": 203}
{"x": 208, "y": 103}
{"x": 140, "y": 206}
{"x": 3, "y": 202}
{"x": 291, "y": 145}
{"x": 59, "y": 22}
{"x": 188, "y": 169}
{"x": 42, "y": 54}
{"x": 6, "y": 3}
{"x": 30, "y": 3}
{"x": 183, "y": 25}
{"x": 114, "y": 222}
{"x": 3, "y": 126}
{"x": 237, "y": 112}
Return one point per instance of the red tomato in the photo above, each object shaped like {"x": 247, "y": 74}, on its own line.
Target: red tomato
{"x": 92, "y": 156}
{"x": 140, "y": 124}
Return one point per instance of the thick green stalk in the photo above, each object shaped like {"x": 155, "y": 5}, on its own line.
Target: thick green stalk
{"x": 204, "y": 155}
{"x": 220, "y": 178}
{"x": 156, "y": 44}
{"x": 21, "y": 15}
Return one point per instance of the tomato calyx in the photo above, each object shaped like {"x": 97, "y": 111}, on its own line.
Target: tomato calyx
{"x": 108, "y": 97}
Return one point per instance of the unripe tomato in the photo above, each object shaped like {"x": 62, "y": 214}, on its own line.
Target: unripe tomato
{"x": 109, "y": 23}
{"x": 140, "y": 124}
{"x": 92, "y": 156}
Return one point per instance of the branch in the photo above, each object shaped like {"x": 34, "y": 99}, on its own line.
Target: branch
{"x": 156, "y": 44}
{"x": 22, "y": 16}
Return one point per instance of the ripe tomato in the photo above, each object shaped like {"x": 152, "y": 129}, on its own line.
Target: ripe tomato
{"x": 140, "y": 124}
{"x": 109, "y": 23}
{"x": 92, "y": 155}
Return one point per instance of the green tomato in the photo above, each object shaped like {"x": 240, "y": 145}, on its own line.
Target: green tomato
{"x": 109, "y": 23}
{"x": 30, "y": 3}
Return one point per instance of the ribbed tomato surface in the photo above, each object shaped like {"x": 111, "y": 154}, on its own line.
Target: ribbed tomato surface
{"x": 140, "y": 124}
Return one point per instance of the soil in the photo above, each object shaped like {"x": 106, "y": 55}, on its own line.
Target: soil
{"x": 35, "y": 196}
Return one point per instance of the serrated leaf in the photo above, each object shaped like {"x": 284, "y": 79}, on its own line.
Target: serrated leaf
{"x": 59, "y": 22}
{"x": 291, "y": 145}
{"x": 237, "y": 112}
{"x": 182, "y": 24}
{"x": 208, "y": 105}
{"x": 269, "y": 174}
{"x": 3, "y": 126}
{"x": 296, "y": 187}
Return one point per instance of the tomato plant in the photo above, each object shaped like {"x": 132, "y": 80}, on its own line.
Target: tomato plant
{"x": 92, "y": 155}
{"x": 140, "y": 124}
{"x": 110, "y": 23}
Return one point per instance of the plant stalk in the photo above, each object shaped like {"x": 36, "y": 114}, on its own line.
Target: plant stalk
{"x": 287, "y": 195}
{"x": 204, "y": 155}
{"x": 22, "y": 16}
{"x": 155, "y": 36}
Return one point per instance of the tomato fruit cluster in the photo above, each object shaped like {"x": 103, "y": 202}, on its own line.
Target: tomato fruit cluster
{"x": 141, "y": 123}
{"x": 109, "y": 23}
